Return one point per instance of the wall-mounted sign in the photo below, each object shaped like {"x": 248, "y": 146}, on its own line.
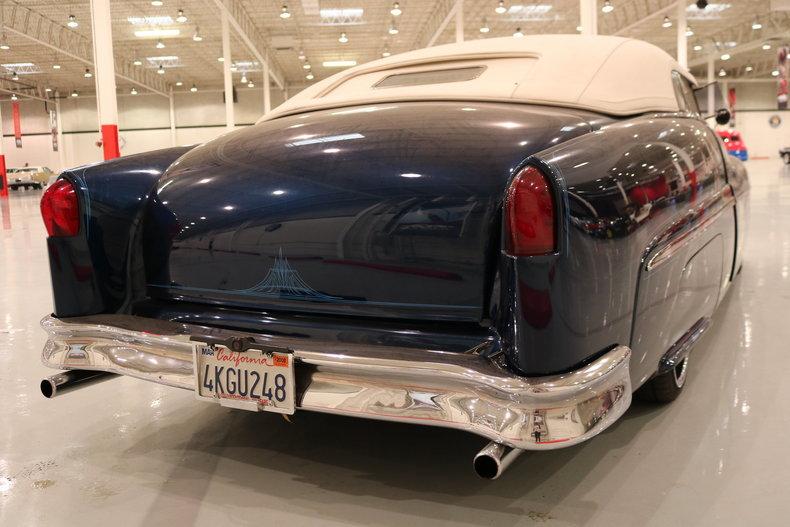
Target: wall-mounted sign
{"x": 53, "y": 125}
{"x": 775, "y": 121}
{"x": 17, "y": 123}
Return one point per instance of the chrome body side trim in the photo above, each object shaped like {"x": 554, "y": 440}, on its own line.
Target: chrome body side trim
{"x": 691, "y": 225}
{"x": 681, "y": 349}
{"x": 464, "y": 391}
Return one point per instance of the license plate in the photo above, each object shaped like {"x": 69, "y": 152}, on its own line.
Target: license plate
{"x": 253, "y": 380}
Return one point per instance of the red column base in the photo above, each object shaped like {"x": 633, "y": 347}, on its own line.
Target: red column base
{"x": 3, "y": 178}
{"x": 109, "y": 139}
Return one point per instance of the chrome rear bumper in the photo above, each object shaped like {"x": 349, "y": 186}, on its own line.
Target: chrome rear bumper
{"x": 458, "y": 390}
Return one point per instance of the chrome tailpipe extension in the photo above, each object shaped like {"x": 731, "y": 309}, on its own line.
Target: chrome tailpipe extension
{"x": 493, "y": 459}
{"x": 69, "y": 380}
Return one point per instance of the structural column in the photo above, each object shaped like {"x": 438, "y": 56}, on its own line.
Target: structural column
{"x": 711, "y": 85}
{"x": 683, "y": 59}
{"x": 226, "y": 64}
{"x": 105, "y": 77}
{"x": 59, "y": 124}
{"x": 459, "y": 22}
{"x": 3, "y": 175}
{"x": 588, "y": 11}
{"x": 267, "y": 94}
{"x": 172, "y": 118}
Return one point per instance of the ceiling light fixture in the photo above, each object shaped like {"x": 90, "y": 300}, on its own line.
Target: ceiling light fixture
{"x": 196, "y": 37}
{"x": 518, "y": 33}
{"x": 160, "y": 44}
{"x": 251, "y": 84}
{"x": 500, "y": 8}
{"x": 244, "y": 78}
{"x": 775, "y": 73}
{"x": 396, "y": 10}
{"x": 766, "y": 46}
{"x": 393, "y": 30}
{"x": 284, "y": 13}
{"x": 386, "y": 53}
{"x": 179, "y": 83}
{"x": 689, "y": 32}
{"x": 607, "y": 7}
{"x": 697, "y": 47}
{"x": 14, "y": 76}
{"x": 74, "y": 93}
{"x": 756, "y": 25}
{"x": 157, "y": 3}
{"x": 56, "y": 66}
{"x": 193, "y": 89}
{"x": 47, "y": 90}
{"x": 725, "y": 56}
{"x": 14, "y": 97}
{"x": 88, "y": 73}
{"x": 343, "y": 38}
{"x": 302, "y": 56}
{"x": 749, "y": 68}
{"x": 484, "y": 27}
{"x": 181, "y": 18}
{"x": 309, "y": 76}
{"x": 4, "y": 43}
{"x": 72, "y": 23}
{"x": 306, "y": 66}
{"x": 722, "y": 73}
{"x": 667, "y": 22}
{"x": 220, "y": 59}
{"x": 161, "y": 70}
{"x": 134, "y": 91}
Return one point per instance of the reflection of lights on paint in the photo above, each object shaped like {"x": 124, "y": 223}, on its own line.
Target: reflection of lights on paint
{"x": 411, "y": 175}
{"x": 278, "y": 193}
{"x": 205, "y": 180}
{"x": 228, "y": 207}
{"x": 331, "y": 150}
{"x": 509, "y": 125}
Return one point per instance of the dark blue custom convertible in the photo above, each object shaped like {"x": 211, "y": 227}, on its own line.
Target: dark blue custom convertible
{"x": 493, "y": 236}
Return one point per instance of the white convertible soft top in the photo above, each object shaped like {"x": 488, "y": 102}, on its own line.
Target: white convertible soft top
{"x": 611, "y": 75}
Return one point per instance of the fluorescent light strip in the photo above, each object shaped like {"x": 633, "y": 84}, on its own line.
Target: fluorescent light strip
{"x": 150, "y": 20}
{"x": 153, "y": 33}
{"x": 339, "y": 63}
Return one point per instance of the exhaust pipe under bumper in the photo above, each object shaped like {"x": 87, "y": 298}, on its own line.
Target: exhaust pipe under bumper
{"x": 69, "y": 380}
{"x": 493, "y": 459}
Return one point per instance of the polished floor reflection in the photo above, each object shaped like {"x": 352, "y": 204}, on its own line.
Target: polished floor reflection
{"x": 144, "y": 454}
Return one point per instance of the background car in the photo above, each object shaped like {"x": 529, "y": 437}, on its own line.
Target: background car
{"x": 734, "y": 144}
{"x": 29, "y": 177}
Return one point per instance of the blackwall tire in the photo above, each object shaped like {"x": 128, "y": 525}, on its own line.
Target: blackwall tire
{"x": 666, "y": 387}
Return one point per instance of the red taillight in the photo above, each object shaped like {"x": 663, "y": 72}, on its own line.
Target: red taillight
{"x": 529, "y": 215}
{"x": 60, "y": 209}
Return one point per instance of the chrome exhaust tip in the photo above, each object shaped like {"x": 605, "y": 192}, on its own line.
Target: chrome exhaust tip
{"x": 493, "y": 459}
{"x": 69, "y": 380}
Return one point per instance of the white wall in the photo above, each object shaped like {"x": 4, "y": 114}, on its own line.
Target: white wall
{"x": 143, "y": 120}
{"x": 762, "y": 140}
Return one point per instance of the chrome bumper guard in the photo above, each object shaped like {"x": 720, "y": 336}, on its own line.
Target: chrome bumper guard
{"x": 457, "y": 390}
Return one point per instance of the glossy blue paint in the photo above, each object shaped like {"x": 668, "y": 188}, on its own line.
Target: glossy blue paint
{"x": 383, "y": 211}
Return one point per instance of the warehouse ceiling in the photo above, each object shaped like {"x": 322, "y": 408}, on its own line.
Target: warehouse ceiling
{"x": 45, "y": 52}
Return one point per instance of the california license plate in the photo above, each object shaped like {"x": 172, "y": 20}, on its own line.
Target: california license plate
{"x": 253, "y": 379}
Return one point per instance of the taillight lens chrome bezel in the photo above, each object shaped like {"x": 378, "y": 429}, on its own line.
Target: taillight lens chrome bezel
{"x": 60, "y": 209}
{"x": 530, "y": 214}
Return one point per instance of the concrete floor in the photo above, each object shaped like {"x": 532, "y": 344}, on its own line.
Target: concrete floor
{"x": 140, "y": 454}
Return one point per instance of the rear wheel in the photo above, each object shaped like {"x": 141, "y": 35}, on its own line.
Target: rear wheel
{"x": 665, "y": 387}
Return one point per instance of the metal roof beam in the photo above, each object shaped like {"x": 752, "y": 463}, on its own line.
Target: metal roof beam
{"x": 32, "y": 25}
{"x": 251, "y": 36}
{"x": 644, "y": 16}
{"x": 30, "y": 91}
{"x": 436, "y": 23}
